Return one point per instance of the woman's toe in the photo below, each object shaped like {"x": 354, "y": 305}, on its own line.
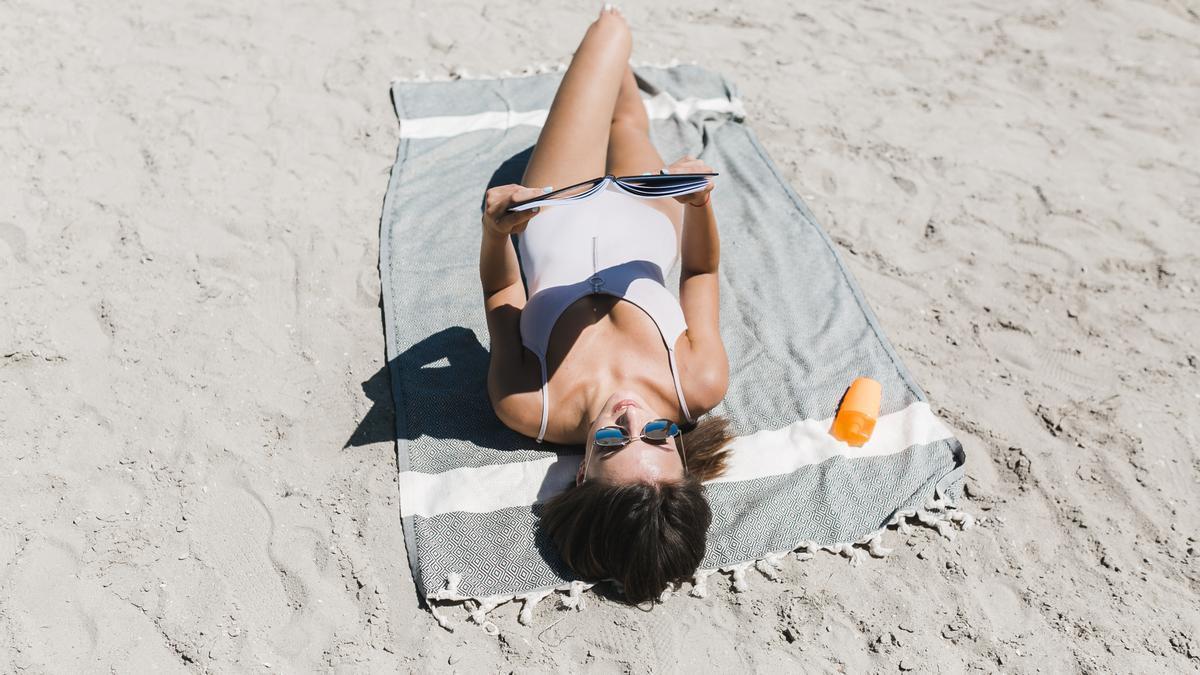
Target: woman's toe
{"x": 609, "y": 9}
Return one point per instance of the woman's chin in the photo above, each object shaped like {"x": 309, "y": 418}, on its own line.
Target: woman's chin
{"x": 622, "y": 398}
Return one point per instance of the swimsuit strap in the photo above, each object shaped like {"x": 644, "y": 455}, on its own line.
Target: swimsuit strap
{"x": 678, "y": 386}
{"x": 545, "y": 399}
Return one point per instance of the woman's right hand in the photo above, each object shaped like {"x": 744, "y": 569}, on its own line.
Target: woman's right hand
{"x": 496, "y": 217}
{"x": 689, "y": 164}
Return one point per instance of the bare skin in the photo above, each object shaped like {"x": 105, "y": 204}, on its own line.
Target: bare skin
{"x": 603, "y": 350}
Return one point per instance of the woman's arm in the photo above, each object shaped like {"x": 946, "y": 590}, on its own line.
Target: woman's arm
{"x": 499, "y": 270}
{"x": 503, "y": 293}
{"x": 700, "y": 250}
{"x": 699, "y": 294}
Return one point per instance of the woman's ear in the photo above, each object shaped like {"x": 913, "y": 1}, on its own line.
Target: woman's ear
{"x": 582, "y": 464}
{"x": 587, "y": 447}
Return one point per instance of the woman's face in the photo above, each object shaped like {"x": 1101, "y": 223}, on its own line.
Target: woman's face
{"x": 638, "y": 461}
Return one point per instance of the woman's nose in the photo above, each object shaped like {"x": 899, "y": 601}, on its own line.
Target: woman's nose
{"x": 633, "y": 420}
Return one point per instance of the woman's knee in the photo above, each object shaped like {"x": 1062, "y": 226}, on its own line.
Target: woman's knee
{"x": 624, "y": 122}
{"x": 611, "y": 30}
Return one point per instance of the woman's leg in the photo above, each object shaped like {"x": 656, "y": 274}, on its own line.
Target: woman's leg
{"x": 573, "y": 143}
{"x": 630, "y": 150}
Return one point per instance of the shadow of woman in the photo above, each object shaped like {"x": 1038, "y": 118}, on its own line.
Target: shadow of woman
{"x": 442, "y": 381}
{"x": 445, "y": 400}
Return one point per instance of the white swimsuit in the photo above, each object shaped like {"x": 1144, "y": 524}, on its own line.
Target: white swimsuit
{"x": 612, "y": 243}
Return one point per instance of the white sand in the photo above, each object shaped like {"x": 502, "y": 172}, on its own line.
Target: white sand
{"x": 189, "y": 202}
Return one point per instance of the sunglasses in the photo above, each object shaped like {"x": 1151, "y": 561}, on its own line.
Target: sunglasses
{"x": 611, "y": 438}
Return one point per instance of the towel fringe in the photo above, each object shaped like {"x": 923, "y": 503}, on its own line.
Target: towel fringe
{"x": 460, "y": 73}
{"x": 700, "y": 583}
{"x": 439, "y": 617}
{"x": 478, "y": 607}
{"x": 806, "y": 550}
{"x": 528, "y": 602}
{"x": 771, "y": 565}
{"x": 937, "y": 514}
{"x": 485, "y": 605}
{"x": 876, "y": 548}
{"x": 740, "y": 583}
{"x": 574, "y": 597}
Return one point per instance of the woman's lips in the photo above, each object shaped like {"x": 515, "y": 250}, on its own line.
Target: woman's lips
{"x": 621, "y": 405}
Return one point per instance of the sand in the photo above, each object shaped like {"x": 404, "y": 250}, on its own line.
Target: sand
{"x": 197, "y": 471}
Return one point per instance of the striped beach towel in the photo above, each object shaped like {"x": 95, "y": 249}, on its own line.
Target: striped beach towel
{"x": 795, "y": 323}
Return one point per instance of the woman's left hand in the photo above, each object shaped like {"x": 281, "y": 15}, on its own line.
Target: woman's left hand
{"x": 689, "y": 164}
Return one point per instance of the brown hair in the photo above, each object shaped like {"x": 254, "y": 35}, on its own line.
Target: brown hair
{"x": 643, "y": 535}
{"x": 705, "y": 443}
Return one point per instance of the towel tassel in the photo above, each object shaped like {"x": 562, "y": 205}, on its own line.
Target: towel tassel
{"x": 485, "y": 605}
{"x": 876, "y": 547}
{"x": 574, "y": 600}
{"x": 806, "y": 551}
{"x": 528, "y": 602}
{"x": 439, "y": 617}
{"x": 700, "y": 583}
{"x": 740, "y": 583}
{"x": 771, "y": 565}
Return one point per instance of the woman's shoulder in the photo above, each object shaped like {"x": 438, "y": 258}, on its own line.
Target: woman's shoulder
{"x": 514, "y": 389}
{"x": 519, "y": 411}
{"x": 523, "y": 414}
{"x": 704, "y": 378}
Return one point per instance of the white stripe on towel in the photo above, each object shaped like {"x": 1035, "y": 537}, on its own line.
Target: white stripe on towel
{"x": 662, "y": 106}
{"x": 805, "y": 442}
{"x": 759, "y": 455}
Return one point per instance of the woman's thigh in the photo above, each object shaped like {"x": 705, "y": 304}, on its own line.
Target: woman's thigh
{"x": 573, "y": 143}
{"x": 630, "y": 152}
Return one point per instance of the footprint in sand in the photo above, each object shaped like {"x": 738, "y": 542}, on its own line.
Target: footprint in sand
{"x": 1007, "y": 614}
{"x": 10, "y": 545}
{"x": 1049, "y": 364}
{"x": 905, "y": 184}
{"x": 47, "y": 607}
{"x": 231, "y": 533}
{"x": 829, "y": 182}
{"x": 16, "y": 240}
{"x": 663, "y": 629}
{"x": 1037, "y": 251}
{"x": 367, "y": 288}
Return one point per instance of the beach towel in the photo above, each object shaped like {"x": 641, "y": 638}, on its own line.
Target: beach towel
{"x": 795, "y": 324}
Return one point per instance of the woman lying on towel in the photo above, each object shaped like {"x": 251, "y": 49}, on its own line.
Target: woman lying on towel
{"x": 596, "y": 351}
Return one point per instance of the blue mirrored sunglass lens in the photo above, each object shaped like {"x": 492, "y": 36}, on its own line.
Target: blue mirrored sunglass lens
{"x": 659, "y": 429}
{"x": 609, "y": 436}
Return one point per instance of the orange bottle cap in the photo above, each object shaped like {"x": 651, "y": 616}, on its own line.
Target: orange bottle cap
{"x": 864, "y": 396}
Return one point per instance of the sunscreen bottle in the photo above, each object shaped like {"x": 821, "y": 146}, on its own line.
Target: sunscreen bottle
{"x": 860, "y": 407}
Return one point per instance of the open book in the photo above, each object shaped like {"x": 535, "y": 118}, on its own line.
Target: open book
{"x": 646, "y": 186}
